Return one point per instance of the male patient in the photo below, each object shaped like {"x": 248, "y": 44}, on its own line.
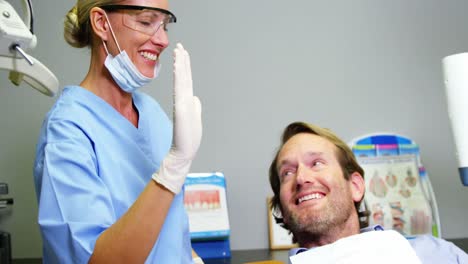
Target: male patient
{"x": 318, "y": 187}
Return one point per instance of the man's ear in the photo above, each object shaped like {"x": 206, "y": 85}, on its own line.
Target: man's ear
{"x": 99, "y": 22}
{"x": 357, "y": 185}
{"x": 277, "y": 213}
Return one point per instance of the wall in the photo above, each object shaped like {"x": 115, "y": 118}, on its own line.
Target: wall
{"x": 353, "y": 66}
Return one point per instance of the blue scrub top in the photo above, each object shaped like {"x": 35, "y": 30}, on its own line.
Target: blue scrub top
{"x": 91, "y": 165}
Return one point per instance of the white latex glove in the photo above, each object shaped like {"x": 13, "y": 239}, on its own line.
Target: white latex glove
{"x": 187, "y": 130}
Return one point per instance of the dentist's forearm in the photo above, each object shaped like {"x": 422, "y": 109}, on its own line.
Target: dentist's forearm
{"x": 131, "y": 238}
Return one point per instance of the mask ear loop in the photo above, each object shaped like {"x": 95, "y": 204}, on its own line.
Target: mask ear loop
{"x": 105, "y": 46}
{"x": 113, "y": 35}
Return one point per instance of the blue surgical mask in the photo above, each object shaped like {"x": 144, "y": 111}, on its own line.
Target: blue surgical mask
{"x": 124, "y": 72}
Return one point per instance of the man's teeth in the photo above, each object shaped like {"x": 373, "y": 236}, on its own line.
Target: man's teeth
{"x": 310, "y": 197}
{"x": 149, "y": 56}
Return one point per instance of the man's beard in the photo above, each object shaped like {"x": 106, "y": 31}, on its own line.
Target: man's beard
{"x": 313, "y": 224}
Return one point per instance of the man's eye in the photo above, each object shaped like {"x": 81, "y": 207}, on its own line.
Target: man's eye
{"x": 317, "y": 163}
{"x": 287, "y": 173}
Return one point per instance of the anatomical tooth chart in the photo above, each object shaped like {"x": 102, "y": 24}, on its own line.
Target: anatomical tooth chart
{"x": 394, "y": 194}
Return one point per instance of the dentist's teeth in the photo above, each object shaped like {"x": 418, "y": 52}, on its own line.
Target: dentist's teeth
{"x": 310, "y": 197}
{"x": 149, "y": 56}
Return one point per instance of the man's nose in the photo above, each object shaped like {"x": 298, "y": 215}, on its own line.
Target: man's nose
{"x": 303, "y": 175}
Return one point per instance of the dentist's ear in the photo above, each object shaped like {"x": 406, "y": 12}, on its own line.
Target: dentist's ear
{"x": 358, "y": 186}
{"x": 99, "y": 23}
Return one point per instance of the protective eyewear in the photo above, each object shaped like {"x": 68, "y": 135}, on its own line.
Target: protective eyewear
{"x": 145, "y": 19}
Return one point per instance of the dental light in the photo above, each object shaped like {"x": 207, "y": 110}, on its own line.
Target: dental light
{"x": 455, "y": 69}
{"x": 15, "y": 38}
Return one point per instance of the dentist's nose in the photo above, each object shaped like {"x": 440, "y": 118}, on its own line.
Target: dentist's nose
{"x": 160, "y": 38}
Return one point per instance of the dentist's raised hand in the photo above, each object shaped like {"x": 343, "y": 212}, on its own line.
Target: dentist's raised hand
{"x": 187, "y": 130}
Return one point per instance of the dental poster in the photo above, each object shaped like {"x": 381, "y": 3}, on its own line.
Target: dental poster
{"x": 206, "y": 206}
{"x": 394, "y": 194}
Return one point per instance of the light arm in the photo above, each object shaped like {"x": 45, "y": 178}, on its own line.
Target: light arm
{"x": 14, "y": 37}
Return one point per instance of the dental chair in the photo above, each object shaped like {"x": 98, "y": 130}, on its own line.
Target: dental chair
{"x": 399, "y": 194}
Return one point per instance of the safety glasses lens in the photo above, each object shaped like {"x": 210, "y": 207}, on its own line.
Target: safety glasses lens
{"x": 146, "y": 21}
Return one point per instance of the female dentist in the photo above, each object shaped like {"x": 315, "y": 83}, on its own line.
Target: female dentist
{"x": 110, "y": 167}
